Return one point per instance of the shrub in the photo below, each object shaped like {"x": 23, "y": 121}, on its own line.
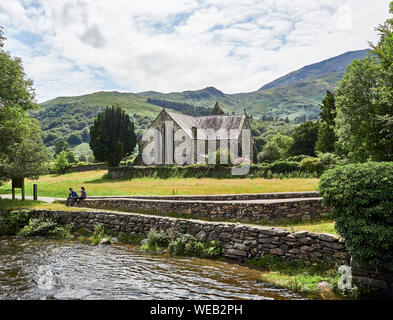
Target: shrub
{"x": 310, "y": 165}
{"x": 284, "y": 167}
{"x": 43, "y": 227}
{"x": 12, "y": 222}
{"x": 327, "y": 161}
{"x": 185, "y": 244}
{"x": 157, "y": 239}
{"x": 361, "y": 198}
{"x": 297, "y": 158}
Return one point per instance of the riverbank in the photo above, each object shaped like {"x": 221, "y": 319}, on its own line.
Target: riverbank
{"x": 301, "y": 277}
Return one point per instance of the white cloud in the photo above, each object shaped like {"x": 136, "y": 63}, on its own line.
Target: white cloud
{"x": 83, "y": 46}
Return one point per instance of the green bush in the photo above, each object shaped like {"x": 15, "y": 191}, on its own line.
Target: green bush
{"x": 361, "y": 198}
{"x": 297, "y": 158}
{"x": 12, "y": 222}
{"x": 43, "y": 227}
{"x": 284, "y": 167}
{"x": 157, "y": 239}
{"x": 183, "y": 244}
{"x": 310, "y": 165}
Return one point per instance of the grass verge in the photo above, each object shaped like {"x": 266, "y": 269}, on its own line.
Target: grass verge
{"x": 298, "y": 275}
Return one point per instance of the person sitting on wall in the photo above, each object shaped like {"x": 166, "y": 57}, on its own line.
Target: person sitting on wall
{"x": 72, "y": 196}
{"x": 83, "y": 195}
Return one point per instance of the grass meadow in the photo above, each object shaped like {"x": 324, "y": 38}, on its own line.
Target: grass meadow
{"x": 96, "y": 185}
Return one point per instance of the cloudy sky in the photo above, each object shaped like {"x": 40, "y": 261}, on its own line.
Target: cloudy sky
{"x": 73, "y": 47}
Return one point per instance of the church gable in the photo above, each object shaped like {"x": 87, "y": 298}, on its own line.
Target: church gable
{"x": 217, "y": 110}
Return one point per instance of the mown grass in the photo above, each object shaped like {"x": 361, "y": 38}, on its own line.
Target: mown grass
{"x": 9, "y": 205}
{"x": 95, "y": 184}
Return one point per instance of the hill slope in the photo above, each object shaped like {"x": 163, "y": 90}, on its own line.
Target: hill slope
{"x": 333, "y": 65}
{"x": 296, "y": 95}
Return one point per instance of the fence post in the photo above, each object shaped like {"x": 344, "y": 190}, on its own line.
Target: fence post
{"x": 35, "y": 193}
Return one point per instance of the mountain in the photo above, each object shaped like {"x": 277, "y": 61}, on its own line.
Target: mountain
{"x": 296, "y": 94}
{"x": 334, "y": 65}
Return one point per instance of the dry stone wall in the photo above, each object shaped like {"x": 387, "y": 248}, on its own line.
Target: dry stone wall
{"x": 272, "y": 211}
{"x": 239, "y": 242}
{"x": 222, "y": 197}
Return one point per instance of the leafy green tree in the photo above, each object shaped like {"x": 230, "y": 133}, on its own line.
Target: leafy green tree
{"x": 71, "y": 156}
{"x": 15, "y": 88}
{"x": 259, "y": 143}
{"x": 74, "y": 139}
{"x": 112, "y": 136}
{"x": 304, "y": 139}
{"x": 61, "y": 145}
{"x": 29, "y": 157}
{"x": 270, "y": 152}
{"x": 85, "y": 135}
{"x": 326, "y": 135}
{"x": 364, "y": 99}
{"x": 357, "y": 125}
{"x": 22, "y": 153}
{"x": 283, "y": 142}
{"x": 61, "y": 162}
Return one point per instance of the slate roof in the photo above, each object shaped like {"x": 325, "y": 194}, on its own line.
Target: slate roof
{"x": 219, "y": 123}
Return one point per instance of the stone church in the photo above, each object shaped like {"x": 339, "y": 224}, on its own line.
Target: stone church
{"x": 200, "y": 130}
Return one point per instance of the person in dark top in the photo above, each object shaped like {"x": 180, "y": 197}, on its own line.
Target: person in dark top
{"x": 72, "y": 196}
{"x": 83, "y": 194}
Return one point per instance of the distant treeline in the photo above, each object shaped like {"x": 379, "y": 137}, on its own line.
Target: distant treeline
{"x": 182, "y": 107}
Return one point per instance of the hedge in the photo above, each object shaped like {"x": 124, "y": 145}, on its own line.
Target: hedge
{"x": 361, "y": 198}
{"x": 278, "y": 169}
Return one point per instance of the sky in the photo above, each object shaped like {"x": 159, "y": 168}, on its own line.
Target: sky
{"x": 75, "y": 47}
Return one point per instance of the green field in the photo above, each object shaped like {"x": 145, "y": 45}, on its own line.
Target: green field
{"x": 57, "y": 185}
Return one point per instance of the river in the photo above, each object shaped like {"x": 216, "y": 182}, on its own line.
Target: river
{"x": 52, "y": 269}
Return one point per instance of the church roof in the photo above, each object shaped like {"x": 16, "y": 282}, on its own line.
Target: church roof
{"x": 221, "y": 124}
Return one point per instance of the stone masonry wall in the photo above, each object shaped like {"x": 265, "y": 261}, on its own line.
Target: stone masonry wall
{"x": 290, "y": 210}
{"x": 222, "y": 197}
{"x": 239, "y": 242}
{"x": 366, "y": 276}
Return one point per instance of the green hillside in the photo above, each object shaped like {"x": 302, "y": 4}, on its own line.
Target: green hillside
{"x": 295, "y": 96}
{"x": 69, "y": 118}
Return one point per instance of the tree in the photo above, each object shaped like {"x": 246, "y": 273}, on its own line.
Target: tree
{"x": 283, "y": 142}
{"x": 61, "y": 162}
{"x": 74, "y": 139}
{"x": 326, "y": 135}
{"x": 29, "y": 157}
{"x": 270, "y": 152}
{"x": 364, "y": 99}
{"x": 304, "y": 139}
{"x": 112, "y": 136}
{"x": 71, "y": 156}
{"x": 22, "y": 153}
{"x": 15, "y": 88}
{"x": 61, "y": 145}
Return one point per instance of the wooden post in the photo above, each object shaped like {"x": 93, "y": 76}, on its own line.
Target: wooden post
{"x": 23, "y": 189}
{"x": 18, "y": 183}
{"x": 35, "y": 193}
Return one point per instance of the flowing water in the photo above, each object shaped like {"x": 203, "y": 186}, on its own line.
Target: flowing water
{"x": 48, "y": 269}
